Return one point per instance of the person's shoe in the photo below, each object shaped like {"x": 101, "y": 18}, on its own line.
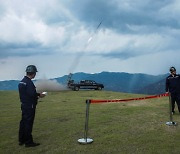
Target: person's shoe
{"x": 33, "y": 144}
{"x": 21, "y": 143}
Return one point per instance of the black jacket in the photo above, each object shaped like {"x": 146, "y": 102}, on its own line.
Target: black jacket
{"x": 173, "y": 84}
{"x": 27, "y": 92}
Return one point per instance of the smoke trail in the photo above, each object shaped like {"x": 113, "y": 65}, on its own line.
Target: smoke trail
{"x": 80, "y": 55}
{"x": 49, "y": 85}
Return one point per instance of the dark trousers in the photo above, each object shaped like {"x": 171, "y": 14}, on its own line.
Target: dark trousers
{"x": 175, "y": 97}
{"x": 26, "y": 124}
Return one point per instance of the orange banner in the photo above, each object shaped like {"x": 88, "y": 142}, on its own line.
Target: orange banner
{"x": 129, "y": 99}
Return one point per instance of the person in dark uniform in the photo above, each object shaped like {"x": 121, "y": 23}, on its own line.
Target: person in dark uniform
{"x": 173, "y": 87}
{"x": 28, "y": 97}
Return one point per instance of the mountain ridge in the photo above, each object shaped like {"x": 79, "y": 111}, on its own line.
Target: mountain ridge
{"x": 113, "y": 81}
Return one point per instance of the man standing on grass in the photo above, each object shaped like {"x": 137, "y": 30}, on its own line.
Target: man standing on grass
{"x": 173, "y": 87}
{"x": 28, "y": 97}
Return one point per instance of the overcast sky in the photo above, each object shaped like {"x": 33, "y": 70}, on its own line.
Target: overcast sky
{"x": 61, "y": 36}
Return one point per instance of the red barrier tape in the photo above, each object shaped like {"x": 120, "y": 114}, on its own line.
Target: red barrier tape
{"x": 130, "y": 99}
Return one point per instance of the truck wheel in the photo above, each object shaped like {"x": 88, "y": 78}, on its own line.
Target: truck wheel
{"x": 76, "y": 88}
{"x": 99, "y": 88}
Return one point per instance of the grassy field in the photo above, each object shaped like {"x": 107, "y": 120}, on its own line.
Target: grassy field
{"x": 127, "y": 127}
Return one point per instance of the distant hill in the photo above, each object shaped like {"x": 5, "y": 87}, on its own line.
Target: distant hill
{"x": 113, "y": 81}
{"x": 155, "y": 88}
{"x": 123, "y": 82}
{"x": 9, "y": 85}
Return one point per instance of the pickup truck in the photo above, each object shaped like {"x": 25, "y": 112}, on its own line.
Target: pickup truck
{"x": 85, "y": 84}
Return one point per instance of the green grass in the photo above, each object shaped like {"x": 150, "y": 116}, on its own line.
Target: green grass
{"x": 126, "y": 127}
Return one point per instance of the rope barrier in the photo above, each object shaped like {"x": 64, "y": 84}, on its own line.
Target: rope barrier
{"x": 87, "y": 140}
{"x": 93, "y": 101}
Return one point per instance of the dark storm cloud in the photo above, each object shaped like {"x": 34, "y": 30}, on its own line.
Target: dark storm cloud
{"x": 119, "y": 17}
{"x": 122, "y": 55}
{"x": 118, "y": 14}
{"x": 24, "y": 49}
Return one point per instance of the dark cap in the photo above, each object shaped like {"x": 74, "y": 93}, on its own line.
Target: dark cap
{"x": 172, "y": 69}
{"x": 31, "y": 69}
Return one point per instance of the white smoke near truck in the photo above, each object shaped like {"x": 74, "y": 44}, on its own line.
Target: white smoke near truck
{"x": 49, "y": 85}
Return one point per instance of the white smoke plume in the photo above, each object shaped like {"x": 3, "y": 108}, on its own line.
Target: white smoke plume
{"x": 49, "y": 85}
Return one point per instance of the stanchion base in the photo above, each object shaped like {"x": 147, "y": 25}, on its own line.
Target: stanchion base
{"x": 85, "y": 141}
{"x": 171, "y": 123}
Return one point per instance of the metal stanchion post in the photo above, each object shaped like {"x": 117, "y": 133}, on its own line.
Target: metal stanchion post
{"x": 86, "y": 140}
{"x": 171, "y": 122}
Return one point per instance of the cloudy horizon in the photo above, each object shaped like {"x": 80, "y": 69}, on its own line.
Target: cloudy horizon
{"x": 61, "y": 37}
